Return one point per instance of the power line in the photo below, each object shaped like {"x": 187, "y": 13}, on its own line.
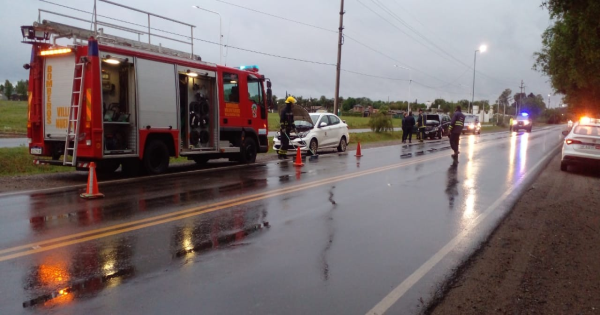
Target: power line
{"x": 374, "y": 76}
{"x": 278, "y": 17}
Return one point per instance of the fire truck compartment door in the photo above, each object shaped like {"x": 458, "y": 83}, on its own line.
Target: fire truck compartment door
{"x": 157, "y": 94}
{"x": 58, "y": 80}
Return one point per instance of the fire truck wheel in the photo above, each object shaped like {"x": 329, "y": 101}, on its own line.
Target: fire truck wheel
{"x": 156, "y": 157}
{"x": 248, "y": 151}
{"x": 107, "y": 166}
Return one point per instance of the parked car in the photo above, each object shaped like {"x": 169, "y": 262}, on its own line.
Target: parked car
{"x": 324, "y": 131}
{"x": 582, "y": 144}
{"x": 436, "y": 125}
{"x": 472, "y": 124}
{"x": 522, "y": 122}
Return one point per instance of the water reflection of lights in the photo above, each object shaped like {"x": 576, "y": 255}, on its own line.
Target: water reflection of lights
{"x": 523, "y": 153}
{"x": 472, "y": 170}
{"x": 511, "y": 157}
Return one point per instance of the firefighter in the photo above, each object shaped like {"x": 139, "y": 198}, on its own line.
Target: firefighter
{"x": 287, "y": 123}
{"x": 421, "y": 124}
{"x": 456, "y": 127}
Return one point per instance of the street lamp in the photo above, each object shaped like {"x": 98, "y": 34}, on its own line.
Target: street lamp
{"x": 220, "y": 32}
{"x": 481, "y": 49}
{"x": 409, "y": 82}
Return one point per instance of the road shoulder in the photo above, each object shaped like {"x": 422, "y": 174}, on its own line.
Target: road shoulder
{"x": 543, "y": 257}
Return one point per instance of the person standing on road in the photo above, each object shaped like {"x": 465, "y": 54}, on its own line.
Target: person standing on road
{"x": 421, "y": 125}
{"x": 409, "y": 120}
{"x": 286, "y": 119}
{"x": 510, "y": 122}
{"x": 456, "y": 127}
{"x": 404, "y": 127}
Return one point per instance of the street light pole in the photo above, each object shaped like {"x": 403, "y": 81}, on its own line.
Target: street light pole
{"x": 481, "y": 49}
{"x": 220, "y": 32}
{"x": 409, "y": 82}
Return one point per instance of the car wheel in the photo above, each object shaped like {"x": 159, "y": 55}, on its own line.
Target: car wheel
{"x": 564, "y": 166}
{"x": 248, "y": 151}
{"x": 342, "y": 146}
{"x": 156, "y": 157}
{"x": 313, "y": 147}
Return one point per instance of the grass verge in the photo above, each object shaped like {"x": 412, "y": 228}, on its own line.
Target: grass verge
{"x": 13, "y": 117}
{"x": 18, "y": 161}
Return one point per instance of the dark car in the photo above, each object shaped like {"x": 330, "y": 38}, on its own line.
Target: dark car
{"x": 472, "y": 125}
{"x": 522, "y": 122}
{"x": 436, "y": 125}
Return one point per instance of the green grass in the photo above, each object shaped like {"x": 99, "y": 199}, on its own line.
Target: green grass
{"x": 353, "y": 122}
{"x": 368, "y": 137}
{"x": 18, "y": 161}
{"x": 13, "y": 117}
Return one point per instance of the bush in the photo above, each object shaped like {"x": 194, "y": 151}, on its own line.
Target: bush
{"x": 381, "y": 122}
{"x": 352, "y": 114}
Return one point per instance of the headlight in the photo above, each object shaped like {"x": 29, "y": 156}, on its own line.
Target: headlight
{"x": 478, "y": 124}
{"x": 526, "y": 122}
{"x": 302, "y": 134}
{"x": 514, "y": 122}
{"x": 471, "y": 126}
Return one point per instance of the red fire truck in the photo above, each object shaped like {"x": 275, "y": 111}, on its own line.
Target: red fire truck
{"x": 121, "y": 102}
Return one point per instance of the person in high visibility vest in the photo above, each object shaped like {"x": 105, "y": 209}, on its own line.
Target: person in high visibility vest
{"x": 456, "y": 126}
{"x": 421, "y": 124}
{"x": 510, "y": 123}
{"x": 286, "y": 120}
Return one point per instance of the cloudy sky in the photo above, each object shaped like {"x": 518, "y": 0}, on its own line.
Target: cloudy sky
{"x": 436, "y": 39}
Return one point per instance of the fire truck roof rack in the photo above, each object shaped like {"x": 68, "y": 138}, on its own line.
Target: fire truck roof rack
{"x": 59, "y": 30}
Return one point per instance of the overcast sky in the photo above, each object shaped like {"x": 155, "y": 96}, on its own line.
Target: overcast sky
{"x": 436, "y": 39}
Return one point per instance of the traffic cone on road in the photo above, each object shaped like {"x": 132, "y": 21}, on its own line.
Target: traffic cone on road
{"x": 358, "y": 153}
{"x": 92, "y": 191}
{"x": 298, "y": 161}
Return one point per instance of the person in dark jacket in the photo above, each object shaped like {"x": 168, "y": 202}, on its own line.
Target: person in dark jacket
{"x": 421, "y": 124}
{"x": 407, "y": 127}
{"x": 456, "y": 126}
{"x": 286, "y": 119}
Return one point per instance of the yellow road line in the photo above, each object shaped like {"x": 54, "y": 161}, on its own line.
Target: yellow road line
{"x": 182, "y": 214}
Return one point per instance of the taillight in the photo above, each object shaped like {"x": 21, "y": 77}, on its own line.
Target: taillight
{"x": 571, "y": 141}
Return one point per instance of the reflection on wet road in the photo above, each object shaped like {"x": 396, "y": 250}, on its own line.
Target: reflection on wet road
{"x": 332, "y": 237}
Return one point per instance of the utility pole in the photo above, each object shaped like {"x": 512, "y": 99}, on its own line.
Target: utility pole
{"x": 522, "y": 87}
{"x": 339, "y": 59}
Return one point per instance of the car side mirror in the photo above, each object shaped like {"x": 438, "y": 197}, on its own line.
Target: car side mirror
{"x": 565, "y": 132}
{"x": 323, "y": 124}
{"x": 344, "y": 121}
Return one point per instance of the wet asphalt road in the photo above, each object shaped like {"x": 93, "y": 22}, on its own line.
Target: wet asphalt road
{"x": 340, "y": 235}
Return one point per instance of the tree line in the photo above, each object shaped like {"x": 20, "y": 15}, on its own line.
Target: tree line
{"x": 20, "y": 89}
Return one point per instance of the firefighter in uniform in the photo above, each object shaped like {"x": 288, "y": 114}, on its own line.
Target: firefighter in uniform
{"x": 287, "y": 123}
{"x": 421, "y": 124}
{"x": 456, "y": 127}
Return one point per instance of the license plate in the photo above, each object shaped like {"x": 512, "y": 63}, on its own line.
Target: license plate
{"x": 36, "y": 150}
{"x": 591, "y": 147}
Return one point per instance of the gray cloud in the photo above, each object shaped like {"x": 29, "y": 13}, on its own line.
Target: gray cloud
{"x": 511, "y": 29}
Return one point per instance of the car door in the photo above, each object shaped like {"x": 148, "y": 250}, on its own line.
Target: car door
{"x": 324, "y": 131}
{"x": 335, "y": 133}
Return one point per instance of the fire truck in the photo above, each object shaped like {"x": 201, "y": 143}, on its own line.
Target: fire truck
{"x": 118, "y": 101}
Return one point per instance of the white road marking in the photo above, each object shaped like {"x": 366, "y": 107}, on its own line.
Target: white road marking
{"x": 409, "y": 282}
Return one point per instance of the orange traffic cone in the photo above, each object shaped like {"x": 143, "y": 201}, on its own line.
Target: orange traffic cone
{"x": 298, "y": 161}
{"x": 92, "y": 185}
{"x": 358, "y": 153}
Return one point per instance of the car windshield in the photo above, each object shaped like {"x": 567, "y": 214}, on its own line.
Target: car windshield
{"x": 587, "y": 130}
{"x": 304, "y": 123}
{"x": 470, "y": 119}
{"x": 432, "y": 117}
{"x": 523, "y": 118}
{"x": 315, "y": 118}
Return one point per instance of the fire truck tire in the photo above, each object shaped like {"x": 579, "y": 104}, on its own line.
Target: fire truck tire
{"x": 156, "y": 157}
{"x": 248, "y": 151}
{"x": 107, "y": 166}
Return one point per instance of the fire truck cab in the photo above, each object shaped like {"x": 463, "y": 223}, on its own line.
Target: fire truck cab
{"x": 121, "y": 102}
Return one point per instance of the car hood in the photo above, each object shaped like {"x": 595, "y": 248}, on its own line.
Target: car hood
{"x": 302, "y": 118}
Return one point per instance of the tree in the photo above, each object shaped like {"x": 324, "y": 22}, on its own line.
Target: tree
{"x": 21, "y": 88}
{"x": 570, "y": 53}
{"x": 1, "y": 88}
{"x": 8, "y": 89}
{"x": 348, "y": 104}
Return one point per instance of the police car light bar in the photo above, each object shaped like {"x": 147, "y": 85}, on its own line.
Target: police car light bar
{"x": 524, "y": 114}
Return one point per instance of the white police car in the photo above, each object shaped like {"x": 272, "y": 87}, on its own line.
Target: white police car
{"x": 582, "y": 144}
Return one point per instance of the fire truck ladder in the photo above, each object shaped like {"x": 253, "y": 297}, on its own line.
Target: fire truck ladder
{"x": 74, "y": 115}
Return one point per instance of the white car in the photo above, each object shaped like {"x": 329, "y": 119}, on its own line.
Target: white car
{"x": 325, "y": 131}
{"x": 582, "y": 144}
